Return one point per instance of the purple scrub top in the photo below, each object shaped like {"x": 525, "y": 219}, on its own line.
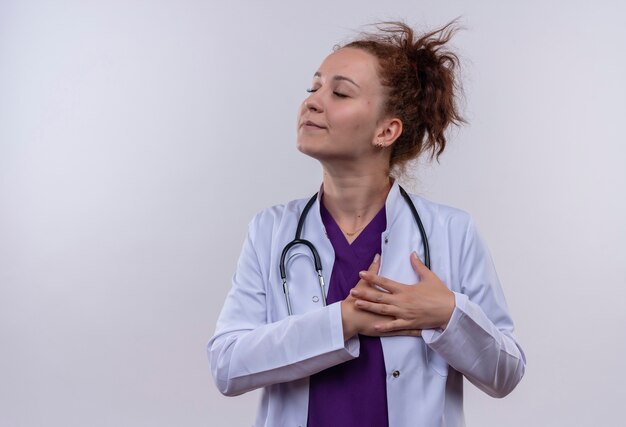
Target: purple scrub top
{"x": 353, "y": 393}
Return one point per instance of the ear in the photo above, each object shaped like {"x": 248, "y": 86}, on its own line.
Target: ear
{"x": 387, "y": 133}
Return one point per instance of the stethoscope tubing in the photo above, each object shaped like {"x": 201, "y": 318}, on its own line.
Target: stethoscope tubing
{"x": 298, "y": 240}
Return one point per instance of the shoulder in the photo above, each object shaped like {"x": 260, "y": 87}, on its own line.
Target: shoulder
{"x": 452, "y": 230}
{"x": 441, "y": 214}
{"x": 448, "y": 226}
{"x": 271, "y": 218}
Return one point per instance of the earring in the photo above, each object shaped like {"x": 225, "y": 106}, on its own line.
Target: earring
{"x": 380, "y": 144}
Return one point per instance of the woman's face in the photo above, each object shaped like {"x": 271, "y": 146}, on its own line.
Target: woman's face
{"x": 339, "y": 119}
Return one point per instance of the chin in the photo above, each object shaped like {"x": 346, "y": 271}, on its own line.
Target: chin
{"x": 311, "y": 150}
{"x": 305, "y": 145}
{"x": 306, "y": 149}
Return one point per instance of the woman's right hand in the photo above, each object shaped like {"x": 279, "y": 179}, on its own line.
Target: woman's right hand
{"x": 357, "y": 321}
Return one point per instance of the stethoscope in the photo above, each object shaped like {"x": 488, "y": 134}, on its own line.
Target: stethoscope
{"x": 316, "y": 257}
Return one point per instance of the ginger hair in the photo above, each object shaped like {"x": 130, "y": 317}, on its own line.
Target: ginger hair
{"x": 419, "y": 72}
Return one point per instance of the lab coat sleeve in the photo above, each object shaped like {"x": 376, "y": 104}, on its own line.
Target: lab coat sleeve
{"x": 247, "y": 352}
{"x": 478, "y": 340}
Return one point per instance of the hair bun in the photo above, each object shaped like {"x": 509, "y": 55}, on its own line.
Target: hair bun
{"x": 421, "y": 74}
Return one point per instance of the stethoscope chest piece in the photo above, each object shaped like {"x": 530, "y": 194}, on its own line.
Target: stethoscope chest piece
{"x": 316, "y": 257}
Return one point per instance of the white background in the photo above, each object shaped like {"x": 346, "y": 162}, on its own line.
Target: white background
{"x": 138, "y": 138}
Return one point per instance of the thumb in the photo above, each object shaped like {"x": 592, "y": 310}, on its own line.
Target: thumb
{"x": 419, "y": 266}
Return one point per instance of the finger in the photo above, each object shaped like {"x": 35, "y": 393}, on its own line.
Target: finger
{"x": 392, "y": 326}
{"x": 419, "y": 266}
{"x": 385, "y": 283}
{"x": 370, "y": 294}
{"x": 375, "y": 265}
{"x": 372, "y": 307}
{"x": 373, "y": 269}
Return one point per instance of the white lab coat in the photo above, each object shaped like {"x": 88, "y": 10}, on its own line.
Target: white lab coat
{"x": 256, "y": 344}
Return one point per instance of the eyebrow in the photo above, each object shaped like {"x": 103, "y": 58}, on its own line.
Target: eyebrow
{"x": 338, "y": 77}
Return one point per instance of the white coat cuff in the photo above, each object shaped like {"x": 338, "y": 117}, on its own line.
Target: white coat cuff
{"x": 431, "y": 336}
{"x": 352, "y": 345}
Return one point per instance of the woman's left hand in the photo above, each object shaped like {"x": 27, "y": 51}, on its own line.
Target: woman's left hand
{"x": 426, "y": 305}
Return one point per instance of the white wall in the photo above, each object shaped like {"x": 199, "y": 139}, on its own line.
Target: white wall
{"x": 137, "y": 139}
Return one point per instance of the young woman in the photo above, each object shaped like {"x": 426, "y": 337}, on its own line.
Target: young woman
{"x": 389, "y": 340}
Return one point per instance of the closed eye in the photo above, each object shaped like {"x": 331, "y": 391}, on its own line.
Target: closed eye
{"x": 337, "y": 94}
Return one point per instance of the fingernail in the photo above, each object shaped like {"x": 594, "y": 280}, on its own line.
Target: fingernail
{"x": 354, "y": 292}
{"x": 362, "y": 273}
{"x": 414, "y": 254}
{"x": 376, "y": 258}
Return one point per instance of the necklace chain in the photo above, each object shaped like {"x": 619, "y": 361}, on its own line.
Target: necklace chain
{"x": 352, "y": 233}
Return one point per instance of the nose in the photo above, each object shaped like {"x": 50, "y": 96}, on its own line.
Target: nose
{"x": 312, "y": 103}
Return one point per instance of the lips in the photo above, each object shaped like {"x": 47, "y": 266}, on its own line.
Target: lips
{"x": 310, "y": 123}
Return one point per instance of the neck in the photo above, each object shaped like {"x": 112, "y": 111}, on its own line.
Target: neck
{"x": 354, "y": 200}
